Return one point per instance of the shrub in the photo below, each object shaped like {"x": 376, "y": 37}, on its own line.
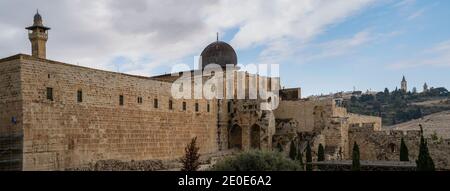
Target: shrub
{"x": 404, "y": 154}
{"x": 256, "y": 160}
{"x": 356, "y": 165}
{"x": 292, "y": 151}
{"x": 320, "y": 153}
{"x": 191, "y": 160}
{"x": 424, "y": 161}
{"x": 308, "y": 158}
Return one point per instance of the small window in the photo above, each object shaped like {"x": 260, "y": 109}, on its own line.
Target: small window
{"x": 48, "y": 75}
{"x": 79, "y": 96}
{"x": 207, "y": 107}
{"x": 50, "y": 94}
{"x": 184, "y": 106}
{"x": 139, "y": 100}
{"x": 229, "y": 106}
{"x": 170, "y": 104}
{"x": 121, "y": 100}
{"x": 155, "y": 103}
{"x": 196, "y": 107}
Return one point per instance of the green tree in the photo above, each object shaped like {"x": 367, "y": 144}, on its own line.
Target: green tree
{"x": 279, "y": 147}
{"x": 320, "y": 153}
{"x": 292, "y": 151}
{"x": 191, "y": 160}
{"x": 386, "y": 92}
{"x": 300, "y": 159}
{"x": 356, "y": 165}
{"x": 424, "y": 161}
{"x": 404, "y": 154}
{"x": 308, "y": 157}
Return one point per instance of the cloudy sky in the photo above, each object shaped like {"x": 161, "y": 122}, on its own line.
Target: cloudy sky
{"x": 322, "y": 46}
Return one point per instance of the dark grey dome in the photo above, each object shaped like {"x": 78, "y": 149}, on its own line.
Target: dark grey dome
{"x": 37, "y": 19}
{"x": 220, "y": 53}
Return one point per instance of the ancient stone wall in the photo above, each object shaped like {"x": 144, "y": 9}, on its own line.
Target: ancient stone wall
{"x": 364, "y": 121}
{"x": 385, "y": 145}
{"x": 301, "y": 111}
{"x": 65, "y": 133}
{"x": 10, "y": 115}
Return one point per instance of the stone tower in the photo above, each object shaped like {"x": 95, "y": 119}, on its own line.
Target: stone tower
{"x": 37, "y": 33}
{"x": 425, "y": 87}
{"x": 404, "y": 85}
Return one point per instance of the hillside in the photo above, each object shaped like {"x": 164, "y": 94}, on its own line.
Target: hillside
{"x": 437, "y": 123}
{"x": 397, "y": 106}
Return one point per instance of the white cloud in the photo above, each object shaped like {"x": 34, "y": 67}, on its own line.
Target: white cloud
{"x": 416, "y": 14}
{"x": 404, "y": 3}
{"x": 151, "y": 33}
{"x": 343, "y": 46}
{"x": 436, "y": 56}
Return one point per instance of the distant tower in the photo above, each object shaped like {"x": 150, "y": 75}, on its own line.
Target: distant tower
{"x": 37, "y": 33}
{"x": 425, "y": 87}
{"x": 404, "y": 85}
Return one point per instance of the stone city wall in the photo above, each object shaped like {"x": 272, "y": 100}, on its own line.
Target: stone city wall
{"x": 65, "y": 133}
{"x": 385, "y": 145}
{"x": 10, "y": 115}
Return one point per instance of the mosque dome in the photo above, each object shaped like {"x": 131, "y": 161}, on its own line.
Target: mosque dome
{"x": 220, "y": 53}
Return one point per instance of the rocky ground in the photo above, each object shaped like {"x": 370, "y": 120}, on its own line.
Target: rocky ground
{"x": 438, "y": 123}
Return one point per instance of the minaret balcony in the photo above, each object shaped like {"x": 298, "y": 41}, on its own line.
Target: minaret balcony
{"x": 34, "y": 35}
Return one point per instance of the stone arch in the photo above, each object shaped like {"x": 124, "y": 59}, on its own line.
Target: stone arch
{"x": 235, "y": 137}
{"x": 255, "y": 137}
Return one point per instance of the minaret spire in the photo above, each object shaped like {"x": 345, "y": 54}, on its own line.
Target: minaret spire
{"x": 217, "y": 36}
{"x": 38, "y": 36}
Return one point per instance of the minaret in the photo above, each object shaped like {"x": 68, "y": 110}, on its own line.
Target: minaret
{"x": 404, "y": 85}
{"x": 37, "y": 33}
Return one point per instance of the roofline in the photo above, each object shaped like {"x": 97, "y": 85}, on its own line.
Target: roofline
{"x": 13, "y": 57}
{"x": 21, "y": 56}
{"x": 35, "y": 26}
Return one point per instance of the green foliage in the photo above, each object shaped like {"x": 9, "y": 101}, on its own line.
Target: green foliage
{"x": 320, "y": 153}
{"x": 356, "y": 165}
{"x": 256, "y": 160}
{"x": 280, "y": 147}
{"x": 395, "y": 107}
{"x": 404, "y": 154}
{"x": 300, "y": 159}
{"x": 424, "y": 161}
{"x": 191, "y": 160}
{"x": 292, "y": 151}
{"x": 308, "y": 157}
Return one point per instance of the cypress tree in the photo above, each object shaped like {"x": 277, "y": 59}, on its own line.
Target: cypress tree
{"x": 279, "y": 147}
{"x": 424, "y": 161}
{"x": 320, "y": 153}
{"x": 191, "y": 160}
{"x": 300, "y": 159}
{"x": 356, "y": 166}
{"x": 292, "y": 151}
{"x": 308, "y": 157}
{"x": 404, "y": 154}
